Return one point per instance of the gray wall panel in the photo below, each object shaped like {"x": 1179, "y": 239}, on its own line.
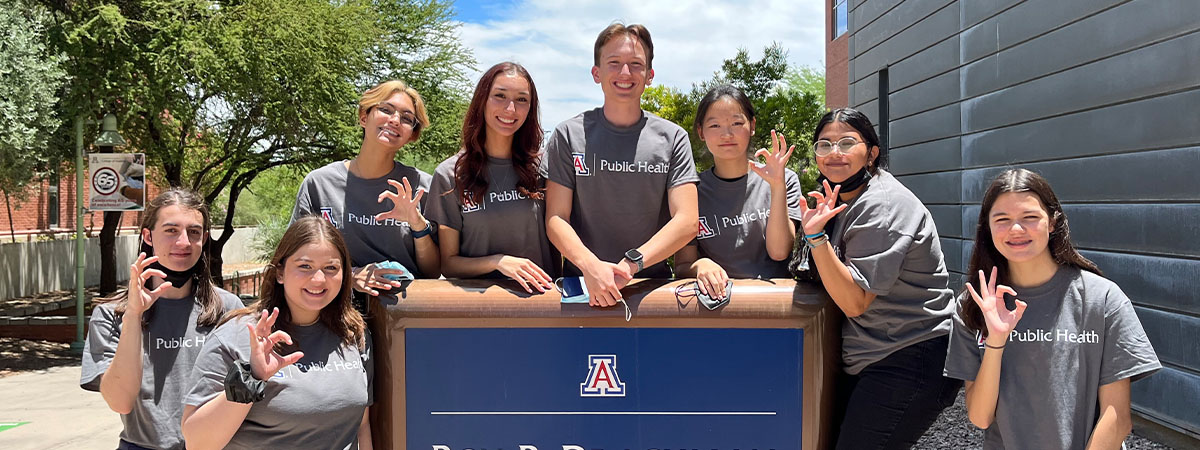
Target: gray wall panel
{"x": 968, "y": 246}
{"x": 933, "y": 188}
{"x": 927, "y": 126}
{"x": 948, "y": 219}
{"x": 1152, "y": 123}
{"x": 1033, "y": 18}
{"x": 939, "y": 58}
{"x": 1123, "y": 177}
{"x": 1171, "y": 283}
{"x": 1094, "y": 38}
{"x": 865, "y": 12}
{"x": 1168, "y": 230}
{"x": 979, "y": 40}
{"x": 1157, "y": 69}
{"x": 937, "y": 92}
{"x": 1169, "y": 395}
{"x": 975, "y": 11}
{"x": 925, "y": 33}
{"x": 952, "y": 254}
{"x": 865, "y": 90}
{"x": 1164, "y": 328}
{"x": 871, "y": 109}
{"x": 944, "y": 154}
{"x": 901, "y": 17}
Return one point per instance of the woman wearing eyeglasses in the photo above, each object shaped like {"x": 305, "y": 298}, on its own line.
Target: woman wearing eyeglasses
{"x": 375, "y": 201}
{"x": 876, "y": 250}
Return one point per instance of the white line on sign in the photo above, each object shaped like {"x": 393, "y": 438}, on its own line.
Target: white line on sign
{"x": 602, "y": 413}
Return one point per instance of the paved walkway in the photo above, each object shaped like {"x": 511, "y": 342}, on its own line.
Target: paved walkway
{"x": 58, "y": 413}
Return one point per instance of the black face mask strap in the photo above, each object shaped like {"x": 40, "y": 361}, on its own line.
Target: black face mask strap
{"x": 178, "y": 278}
{"x": 855, "y": 181}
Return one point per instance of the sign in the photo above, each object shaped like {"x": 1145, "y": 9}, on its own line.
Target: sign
{"x": 603, "y": 388}
{"x": 117, "y": 181}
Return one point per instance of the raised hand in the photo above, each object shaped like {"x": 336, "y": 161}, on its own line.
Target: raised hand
{"x": 1000, "y": 321}
{"x": 264, "y": 362}
{"x": 141, "y": 299}
{"x": 370, "y": 278}
{"x": 405, "y": 203}
{"x": 814, "y": 219}
{"x": 775, "y": 160}
{"x": 525, "y": 272}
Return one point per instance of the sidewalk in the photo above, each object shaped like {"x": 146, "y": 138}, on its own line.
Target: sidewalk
{"x": 58, "y": 413}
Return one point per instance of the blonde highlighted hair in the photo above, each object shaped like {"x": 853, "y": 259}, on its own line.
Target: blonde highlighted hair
{"x": 382, "y": 91}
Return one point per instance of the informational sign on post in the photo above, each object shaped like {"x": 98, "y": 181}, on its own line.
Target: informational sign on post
{"x": 603, "y": 388}
{"x": 117, "y": 181}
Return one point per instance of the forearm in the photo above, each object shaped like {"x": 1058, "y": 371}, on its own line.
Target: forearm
{"x": 122, "y": 382}
{"x": 982, "y": 394}
{"x": 781, "y": 231}
{"x": 1111, "y": 430}
{"x": 364, "y": 432}
{"x": 429, "y": 262}
{"x": 214, "y": 423}
{"x": 678, "y": 231}
{"x": 564, "y": 238}
{"x": 455, "y": 266}
{"x": 835, "y": 276}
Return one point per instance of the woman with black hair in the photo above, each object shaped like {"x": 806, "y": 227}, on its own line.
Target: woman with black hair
{"x": 143, "y": 341}
{"x": 1054, "y": 372}
{"x": 876, "y": 249}
{"x": 746, "y": 220}
{"x": 490, "y": 202}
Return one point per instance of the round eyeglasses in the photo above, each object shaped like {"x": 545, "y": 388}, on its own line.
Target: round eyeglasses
{"x": 825, "y": 147}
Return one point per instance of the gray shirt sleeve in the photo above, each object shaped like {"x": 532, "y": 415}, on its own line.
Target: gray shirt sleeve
{"x": 876, "y": 243}
{"x": 683, "y": 166}
{"x": 794, "y": 195}
{"x": 1127, "y": 350}
{"x": 963, "y": 355}
{"x": 303, "y": 206}
{"x": 444, "y": 207}
{"x": 104, "y": 331}
{"x": 208, "y": 374}
{"x": 559, "y": 168}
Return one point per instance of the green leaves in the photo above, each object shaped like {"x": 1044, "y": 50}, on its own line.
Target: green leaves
{"x": 30, "y": 76}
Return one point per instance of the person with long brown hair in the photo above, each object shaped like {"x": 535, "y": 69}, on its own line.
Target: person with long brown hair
{"x": 493, "y": 186}
{"x": 1054, "y": 370}
{"x": 294, "y": 369}
{"x": 143, "y": 341}
{"x": 357, "y": 196}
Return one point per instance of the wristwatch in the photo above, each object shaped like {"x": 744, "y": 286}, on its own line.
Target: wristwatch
{"x": 635, "y": 257}
{"x": 425, "y": 232}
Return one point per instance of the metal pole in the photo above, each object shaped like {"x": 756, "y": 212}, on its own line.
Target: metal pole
{"x": 77, "y": 346}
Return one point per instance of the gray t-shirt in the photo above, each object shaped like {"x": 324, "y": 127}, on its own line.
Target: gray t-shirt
{"x": 1078, "y": 333}
{"x": 506, "y": 222}
{"x": 888, "y": 240}
{"x": 318, "y": 402}
{"x": 733, "y": 223}
{"x": 620, "y": 178}
{"x": 171, "y": 343}
{"x": 349, "y": 203}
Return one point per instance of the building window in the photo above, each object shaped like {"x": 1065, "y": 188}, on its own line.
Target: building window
{"x": 839, "y": 18}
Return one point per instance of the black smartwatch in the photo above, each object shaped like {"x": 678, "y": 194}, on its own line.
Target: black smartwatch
{"x": 241, "y": 386}
{"x": 635, "y": 257}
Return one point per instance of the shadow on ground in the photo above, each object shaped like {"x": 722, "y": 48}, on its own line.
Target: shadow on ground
{"x": 23, "y": 355}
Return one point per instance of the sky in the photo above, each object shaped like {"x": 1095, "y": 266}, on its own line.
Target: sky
{"x": 553, "y": 39}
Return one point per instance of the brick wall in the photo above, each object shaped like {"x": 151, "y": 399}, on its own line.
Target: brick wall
{"x": 31, "y": 211}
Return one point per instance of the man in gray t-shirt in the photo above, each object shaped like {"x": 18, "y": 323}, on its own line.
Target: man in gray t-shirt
{"x": 350, "y": 204}
{"x": 1079, "y": 332}
{"x": 318, "y": 402}
{"x": 171, "y": 342}
{"x": 505, "y": 222}
{"x": 621, "y": 195}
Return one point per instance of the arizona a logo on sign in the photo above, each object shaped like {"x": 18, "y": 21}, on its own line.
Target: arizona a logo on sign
{"x": 602, "y": 379}
{"x": 581, "y": 168}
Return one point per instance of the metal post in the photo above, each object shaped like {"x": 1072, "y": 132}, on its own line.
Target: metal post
{"x": 77, "y": 346}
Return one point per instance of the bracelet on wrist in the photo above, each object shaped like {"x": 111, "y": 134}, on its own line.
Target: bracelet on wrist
{"x": 995, "y": 347}
{"x": 241, "y": 386}
{"x": 816, "y": 242}
{"x": 814, "y": 235}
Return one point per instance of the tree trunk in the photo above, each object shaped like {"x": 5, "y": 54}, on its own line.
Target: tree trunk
{"x": 8, "y": 204}
{"x": 108, "y": 252}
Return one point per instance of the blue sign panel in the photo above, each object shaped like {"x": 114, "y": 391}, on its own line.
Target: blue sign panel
{"x": 603, "y": 388}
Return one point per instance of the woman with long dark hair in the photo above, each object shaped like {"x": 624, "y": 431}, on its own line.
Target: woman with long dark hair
{"x": 490, "y": 197}
{"x": 294, "y": 369}
{"x": 143, "y": 341}
{"x": 1054, "y": 371}
{"x": 746, "y": 220}
{"x": 876, "y": 250}
{"x": 376, "y": 202}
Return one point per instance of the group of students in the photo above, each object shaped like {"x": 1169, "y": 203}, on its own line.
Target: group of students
{"x": 613, "y": 194}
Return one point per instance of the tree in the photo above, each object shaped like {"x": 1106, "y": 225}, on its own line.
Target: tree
{"x": 30, "y": 75}
{"x": 217, "y": 92}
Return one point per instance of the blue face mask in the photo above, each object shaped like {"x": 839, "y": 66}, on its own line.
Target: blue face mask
{"x": 572, "y": 289}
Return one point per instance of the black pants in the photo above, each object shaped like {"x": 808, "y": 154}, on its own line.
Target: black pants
{"x": 891, "y": 403}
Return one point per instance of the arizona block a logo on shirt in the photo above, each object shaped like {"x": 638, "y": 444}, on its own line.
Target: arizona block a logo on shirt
{"x": 581, "y": 168}
{"x": 469, "y": 206}
{"x": 327, "y": 213}
{"x": 602, "y": 379}
{"x": 706, "y": 231}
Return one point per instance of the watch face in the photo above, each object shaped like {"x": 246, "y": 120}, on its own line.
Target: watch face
{"x": 634, "y": 255}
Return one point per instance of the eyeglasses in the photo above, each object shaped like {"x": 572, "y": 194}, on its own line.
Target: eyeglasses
{"x": 406, "y": 118}
{"x": 824, "y": 147}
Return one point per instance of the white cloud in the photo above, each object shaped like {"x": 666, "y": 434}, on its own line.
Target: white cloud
{"x": 553, "y": 39}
